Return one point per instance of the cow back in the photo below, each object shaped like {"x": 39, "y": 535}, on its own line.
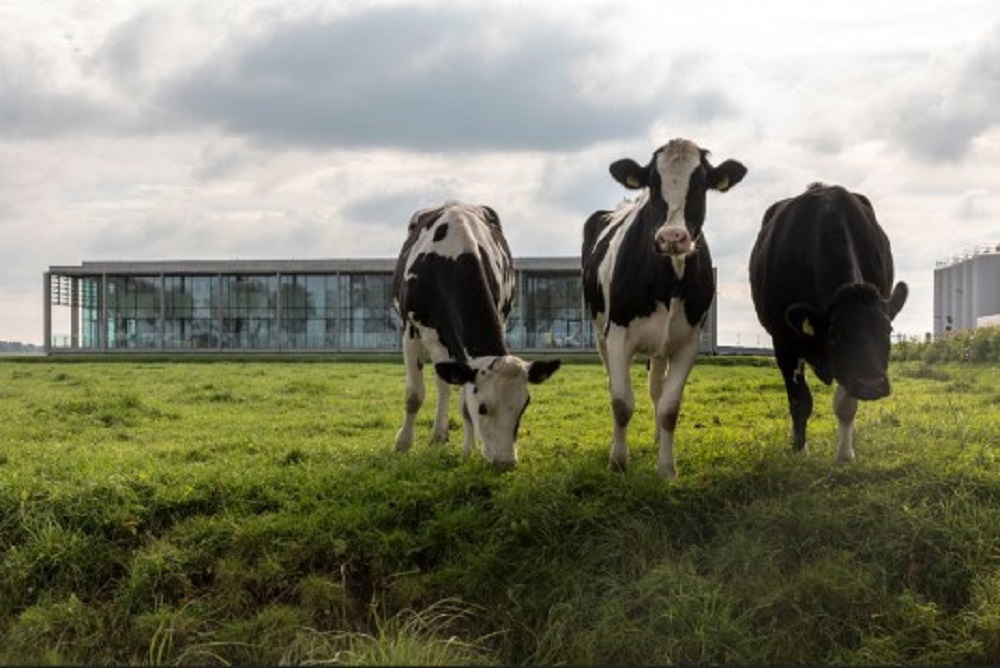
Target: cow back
{"x": 454, "y": 278}
{"x": 811, "y": 245}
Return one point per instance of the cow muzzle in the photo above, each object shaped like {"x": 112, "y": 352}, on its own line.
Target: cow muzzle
{"x": 673, "y": 240}
{"x": 869, "y": 389}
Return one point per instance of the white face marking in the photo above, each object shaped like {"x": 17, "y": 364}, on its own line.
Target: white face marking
{"x": 675, "y": 163}
{"x": 496, "y": 402}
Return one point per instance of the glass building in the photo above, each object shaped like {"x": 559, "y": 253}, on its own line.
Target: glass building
{"x": 288, "y": 306}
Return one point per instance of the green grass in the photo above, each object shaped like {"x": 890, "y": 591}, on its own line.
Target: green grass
{"x": 252, "y": 512}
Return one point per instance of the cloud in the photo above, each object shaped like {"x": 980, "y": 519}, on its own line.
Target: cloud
{"x": 420, "y": 79}
{"x": 954, "y": 102}
{"x": 33, "y": 106}
{"x": 392, "y": 209}
{"x": 974, "y": 205}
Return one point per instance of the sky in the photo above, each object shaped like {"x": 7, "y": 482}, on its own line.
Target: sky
{"x": 168, "y": 129}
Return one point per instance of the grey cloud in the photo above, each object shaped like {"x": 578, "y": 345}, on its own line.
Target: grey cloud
{"x": 48, "y": 94}
{"x": 582, "y": 189}
{"x": 940, "y": 123}
{"x": 973, "y": 206}
{"x": 392, "y": 210}
{"x": 125, "y": 53}
{"x": 30, "y": 108}
{"x": 938, "y": 129}
{"x": 426, "y": 79}
{"x": 416, "y": 79}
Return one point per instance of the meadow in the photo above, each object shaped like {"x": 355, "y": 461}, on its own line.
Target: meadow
{"x": 156, "y": 512}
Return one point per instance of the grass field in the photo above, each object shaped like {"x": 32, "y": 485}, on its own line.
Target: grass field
{"x": 253, "y": 512}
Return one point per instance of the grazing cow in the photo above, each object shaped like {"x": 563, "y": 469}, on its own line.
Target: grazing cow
{"x": 453, "y": 287}
{"x": 648, "y": 282}
{"x": 820, "y": 275}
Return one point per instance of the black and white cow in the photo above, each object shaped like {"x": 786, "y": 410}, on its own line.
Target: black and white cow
{"x": 648, "y": 282}
{"x": 820, "y": 275}
{"x": 453, "y": 287}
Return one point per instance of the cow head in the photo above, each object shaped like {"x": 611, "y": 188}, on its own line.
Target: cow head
{"x": 854, "y": 330}
{"x": 495, "y": 394}
{"x": 678, "y": 177}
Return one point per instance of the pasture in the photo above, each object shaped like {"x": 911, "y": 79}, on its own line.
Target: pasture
{"x": 254, "y": 512}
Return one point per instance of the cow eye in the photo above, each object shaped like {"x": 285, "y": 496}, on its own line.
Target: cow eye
{"x": 483, "y": 410}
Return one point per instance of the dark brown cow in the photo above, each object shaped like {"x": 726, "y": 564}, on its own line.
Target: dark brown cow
{"x": 821, "y": 278}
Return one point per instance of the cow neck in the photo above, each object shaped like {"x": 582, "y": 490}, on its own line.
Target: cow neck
{"x": 478, "y": 331}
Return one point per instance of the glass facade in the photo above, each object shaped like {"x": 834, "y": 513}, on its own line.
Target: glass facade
{"x": 189, "y": 318}
{"x": 329, "y": 306}
{"x": 249, "y": 312}
{"x": 337, "y": 312}
{"x": 549, "y": 313}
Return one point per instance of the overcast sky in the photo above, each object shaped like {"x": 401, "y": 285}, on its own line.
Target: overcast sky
{"x": 157, "y": 130}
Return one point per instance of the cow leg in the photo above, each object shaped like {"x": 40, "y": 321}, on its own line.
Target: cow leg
{"x": 468, "y": 428}
{"x": 622, "y": 400}
{"x": 668, "y": 407}
{"x": 440, "y": 433}
{"x": 415, "y": 391}
{"x": 800, "y": 401}
{"x": 657, "y": 368}
{"x": 602, "y": 350}
{"x": 845, "y": 407}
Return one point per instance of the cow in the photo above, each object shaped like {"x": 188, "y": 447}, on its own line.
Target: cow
{"x": 453, "y": 288}
{"x": 648, "y": 283}
{"x": 821, "y": 277}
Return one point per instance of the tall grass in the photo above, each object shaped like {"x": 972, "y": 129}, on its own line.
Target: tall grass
{"x": 173, "y": 513}
{"x": 971, "y": 345}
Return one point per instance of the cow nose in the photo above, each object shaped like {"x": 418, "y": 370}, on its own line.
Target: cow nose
{"x": 673, "y": 240}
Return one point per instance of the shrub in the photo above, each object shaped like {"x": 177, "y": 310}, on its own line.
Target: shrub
{"x": 969, "y": 346}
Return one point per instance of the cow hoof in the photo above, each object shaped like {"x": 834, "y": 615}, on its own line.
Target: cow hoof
{"x": 667, "y": 472}
{"x": 403, "y": 441}
{"x": 618, "y": 465}
{"x": 439, "y": 436}
{"x": 503, "y": 467}
{"x": 845, "y": 457}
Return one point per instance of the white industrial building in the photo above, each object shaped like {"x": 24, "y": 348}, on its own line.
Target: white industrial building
{"x": 967, "y": 291}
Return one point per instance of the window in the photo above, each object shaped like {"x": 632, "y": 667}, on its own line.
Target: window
{"x": 553, "y": 315}
{"x": 90, "y": 312}
{"x": 302, "y": 297}
{"x": 339, "y": 312}
{"x": 249, "y": 312}
{"x": 133, "y": 311}
{"x": 190, "y": 312}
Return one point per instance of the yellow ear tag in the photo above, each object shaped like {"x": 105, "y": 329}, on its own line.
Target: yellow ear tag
{"x": 723, "y": 185}
{"x": 633, "y": 182}
{"x": 807, "y": 327}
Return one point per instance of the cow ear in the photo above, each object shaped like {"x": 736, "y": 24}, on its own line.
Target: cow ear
{"x": 540, "y": 371}
{"x": 455, "y": 373}
{"x": 806, "y": 321}
{"x": 629, "y": 173}
{"x": 726, "y": 175}
{"x": 898, "y": 298}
